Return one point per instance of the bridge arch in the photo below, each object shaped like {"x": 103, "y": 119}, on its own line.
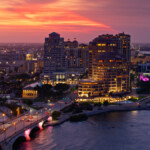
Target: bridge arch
{"x": 33, "y": 130}
{"x": 18, "y": 141}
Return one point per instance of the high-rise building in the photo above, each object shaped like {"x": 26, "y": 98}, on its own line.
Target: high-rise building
{"x": 73, "y": 44}
{"x": 126, "y": 51}
{"x": 108, "y": 68}
{"x": 54, "y": 59}
{"x": 77, "y": 56}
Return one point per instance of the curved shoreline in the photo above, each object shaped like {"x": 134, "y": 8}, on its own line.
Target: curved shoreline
{"x": 107, "y": 109}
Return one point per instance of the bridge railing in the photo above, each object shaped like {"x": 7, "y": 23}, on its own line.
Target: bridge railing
{"x": 23, "y": 129}
{"x": 142, "y": 99}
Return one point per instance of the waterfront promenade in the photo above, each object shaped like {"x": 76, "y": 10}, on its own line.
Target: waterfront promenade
{"x": 139, "y": 105}
{"x": 23, "y": 125}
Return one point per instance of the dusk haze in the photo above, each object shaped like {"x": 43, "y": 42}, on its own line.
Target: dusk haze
{"x": 74, "y": 74}
{"x": 30, "y": 21}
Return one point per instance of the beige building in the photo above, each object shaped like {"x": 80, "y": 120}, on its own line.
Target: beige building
{"x": 29, "y": 91}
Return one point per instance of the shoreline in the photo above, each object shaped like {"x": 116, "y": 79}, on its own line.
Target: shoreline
{"x": 106, "y": 109}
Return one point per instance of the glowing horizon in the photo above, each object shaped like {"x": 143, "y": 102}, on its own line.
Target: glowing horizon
{"x": 26, "y": 20}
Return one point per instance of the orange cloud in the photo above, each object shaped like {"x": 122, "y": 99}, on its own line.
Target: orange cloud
{"x": 45, "y": 15}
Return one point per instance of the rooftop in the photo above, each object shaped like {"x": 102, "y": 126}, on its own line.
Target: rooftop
{"x": 33, "y": 85}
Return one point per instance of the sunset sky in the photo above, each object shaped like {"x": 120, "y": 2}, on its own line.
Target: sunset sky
{"x": 33, "y": 20}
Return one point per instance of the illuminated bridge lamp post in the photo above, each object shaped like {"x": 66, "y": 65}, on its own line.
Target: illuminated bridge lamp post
{"x": 3, "y": 115}
{"x": 15, "y": 126}
{"x": 18, "y": 111}
{"x": 23, "y": 121}
{"x": 4, "y": 129}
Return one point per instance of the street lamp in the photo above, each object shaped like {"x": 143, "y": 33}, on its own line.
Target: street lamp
{"x": 23, "y": 121}
{"x": 3, "y": 115}
{"x": 15, "y": 126}
{"x": 4, "y": 129}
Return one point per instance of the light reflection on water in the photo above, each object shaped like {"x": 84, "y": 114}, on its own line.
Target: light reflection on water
{"x": 110, "y": 131}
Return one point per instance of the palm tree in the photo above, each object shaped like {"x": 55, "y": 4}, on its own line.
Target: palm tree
{"x": 100, "y": 94}
{"x": 110, "y": 95}
{"x": 89, "y": 94}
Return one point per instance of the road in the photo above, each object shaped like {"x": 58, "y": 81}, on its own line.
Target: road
{"x": 21, "y": 123}
{"x": 18, "y": 123}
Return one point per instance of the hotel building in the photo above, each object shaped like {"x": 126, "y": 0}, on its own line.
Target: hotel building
{"x": 108, "y": 67}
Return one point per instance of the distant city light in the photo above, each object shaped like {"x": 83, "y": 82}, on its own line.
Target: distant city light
{"x": 145, "y": 79}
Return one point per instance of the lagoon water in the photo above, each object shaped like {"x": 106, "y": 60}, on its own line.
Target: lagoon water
{"x": 109, "y": 131}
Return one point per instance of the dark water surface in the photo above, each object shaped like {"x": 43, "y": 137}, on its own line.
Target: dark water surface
{"x": 111, "y": 131}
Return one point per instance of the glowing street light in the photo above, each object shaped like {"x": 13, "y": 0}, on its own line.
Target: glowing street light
{"x": 23, "y": 121}
{"x": 4, "y": 129}
{"x": 15, "y": 126}
{"x": 3, "y": 115}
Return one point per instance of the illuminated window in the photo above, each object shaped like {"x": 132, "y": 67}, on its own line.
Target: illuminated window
{"x": 112, "y": 44}
{"x": 101, "y": 44}
{"x": 111, "y": 60}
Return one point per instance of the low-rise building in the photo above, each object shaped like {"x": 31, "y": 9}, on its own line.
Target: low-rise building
{"x": 29, "y": 91}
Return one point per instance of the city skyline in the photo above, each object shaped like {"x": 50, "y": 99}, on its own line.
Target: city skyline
{"x": 25, "y": 21}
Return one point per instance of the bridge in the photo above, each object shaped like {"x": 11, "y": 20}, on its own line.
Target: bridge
{"x": 144, "y": 100}
{"x": 22, "y": 128}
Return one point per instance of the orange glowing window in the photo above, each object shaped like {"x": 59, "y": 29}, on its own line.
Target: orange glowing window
{"x": 101, "y": 44}
{"x": 111, "y": 60}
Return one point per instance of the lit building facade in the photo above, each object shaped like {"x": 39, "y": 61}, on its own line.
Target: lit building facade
{"x": 126, "y": 42}
{"x": 77, "y": 56}
{"x": 29, "y": 91}
{"x": 108, "y": 67}
{"x": 54, "y": 59}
